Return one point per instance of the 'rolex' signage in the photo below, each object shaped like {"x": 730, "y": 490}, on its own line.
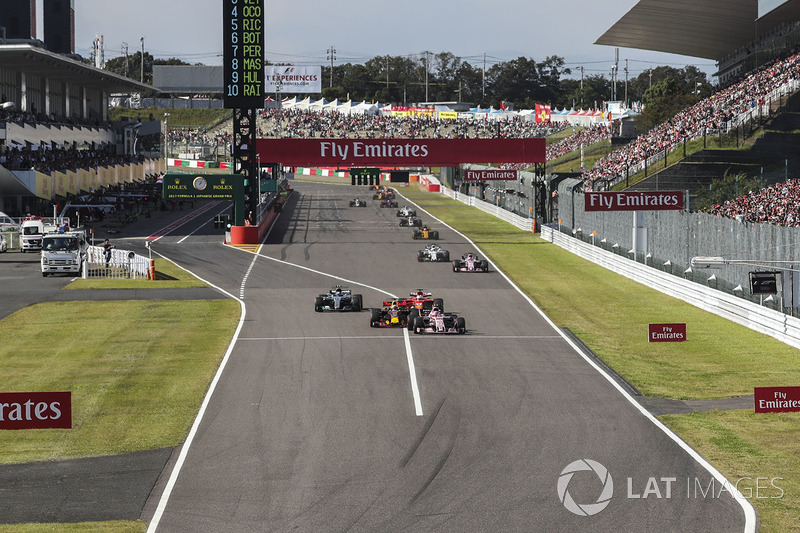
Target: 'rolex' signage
{"x": 185, "y": 186}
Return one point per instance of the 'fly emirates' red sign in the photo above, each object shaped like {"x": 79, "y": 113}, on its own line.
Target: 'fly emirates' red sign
{"x": 399, "y": 152}
{"x": 634, "y": 201}
{"x": 35, "y": 410}
{"x": 776, "y": 399}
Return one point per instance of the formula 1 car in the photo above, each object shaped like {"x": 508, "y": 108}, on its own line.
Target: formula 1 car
{"x": 390, "y": 316}
{"x": 470, "y": 263}
{"x": 406, "y": 211}
{"x": 388, "y": 194}
{"x": 338, "y": 299}
{"x": 389, "y": 203}
{"x": 439, "y": 322}
{"x": 358, "y": 202}
{"x": 433, "y": 253}
{"x": 425, "y": 232}
{"x": 410, "y": 222}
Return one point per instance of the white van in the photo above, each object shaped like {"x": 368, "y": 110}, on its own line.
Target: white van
{"x": 7, "y": 223}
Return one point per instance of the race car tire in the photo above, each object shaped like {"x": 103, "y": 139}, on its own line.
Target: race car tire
{"x": 461, "y": 325}
{"x": 412, "y": 213}
{"x": 418, "y": 223}
{"x": 374, "y": 318}
{"x": 318, "y": 304}
{"x": 456, "y": 266}
{"x": 416, "y": 236}
{"x": 352, "y": 204}
{"x": 446, "y": 257}
{"x": 435, "y": 235}
{"x": 357, "y": 303}
{"x": 419, "y": 323}
{"x": 375, "y": 197}
{"x": 412, "y": 316}
{"x": 403, "y": 223}
{"x": 420, "y": 257}
{"x": 438, "y": 302}
{"x": 485, "y": 265}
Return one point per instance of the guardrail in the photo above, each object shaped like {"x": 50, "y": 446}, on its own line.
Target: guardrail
{"x": 770, "y": 322}
{"x": 522, "y": 223}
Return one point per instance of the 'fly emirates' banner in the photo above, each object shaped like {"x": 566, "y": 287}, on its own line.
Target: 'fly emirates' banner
{"x": 399, "y": 152}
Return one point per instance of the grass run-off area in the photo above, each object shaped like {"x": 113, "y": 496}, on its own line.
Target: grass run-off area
{"x": 720, "y": 359}
{"x": 138, "y": 371}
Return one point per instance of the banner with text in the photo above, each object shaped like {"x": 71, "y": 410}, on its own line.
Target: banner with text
{"x": 293, "y": 79}
{"x": 489, "y": 175}
{"x": 35, "y": 410}
{"x": 399, "y": 152}
{"x": 666, "y": 333}
{"x": 776, "y": 399}
{"x": 634, "y": 201}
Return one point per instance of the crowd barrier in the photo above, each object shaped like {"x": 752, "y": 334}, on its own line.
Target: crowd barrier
{"x": 770, "y": 322}
{"x": 123, "y": 264}
{"x": 527, "y": 224}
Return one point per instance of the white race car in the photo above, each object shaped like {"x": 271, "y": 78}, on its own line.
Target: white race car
{"x": 434, "y": 253}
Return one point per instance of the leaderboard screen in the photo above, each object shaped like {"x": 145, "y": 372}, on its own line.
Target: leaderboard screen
{"x": 243, "y": 53}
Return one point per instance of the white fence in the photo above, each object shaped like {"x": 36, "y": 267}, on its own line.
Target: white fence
{"x": 518, "y": 221}
{"x": 783, "y": 327}
{"x": 122, "y": 264}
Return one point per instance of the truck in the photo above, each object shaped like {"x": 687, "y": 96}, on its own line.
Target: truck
{"x": 63, "y": 252}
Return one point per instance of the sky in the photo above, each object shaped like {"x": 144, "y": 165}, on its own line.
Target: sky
{"x": 301, "y": 32}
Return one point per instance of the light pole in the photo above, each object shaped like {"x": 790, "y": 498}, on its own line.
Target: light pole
{"x": 141, "y": 75}
{"x": 278, "y": 87}
{"x": 166, "y": 136}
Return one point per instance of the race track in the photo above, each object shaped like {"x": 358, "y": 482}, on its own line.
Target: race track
{"x": 321, "y": 423}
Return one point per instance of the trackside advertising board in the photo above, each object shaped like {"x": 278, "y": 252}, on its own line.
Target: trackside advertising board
{"x": 293, "y": 79}
{"x": 35, "y": 410}
{"x": 666, "y": 333}
{"x": 776, "y": 399}
{"x": 489, "y": 175}
{"x": 399, "y": 152}
{"x": 634, "y": 201}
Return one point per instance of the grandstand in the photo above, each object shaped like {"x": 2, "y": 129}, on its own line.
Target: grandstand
{"x": 55, "y": 137}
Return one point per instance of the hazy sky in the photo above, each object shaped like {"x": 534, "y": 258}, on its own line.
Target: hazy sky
{"x": 301, "y": 32}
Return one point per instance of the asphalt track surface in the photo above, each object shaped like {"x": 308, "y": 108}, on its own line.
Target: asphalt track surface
{"x": 318, "y": 422}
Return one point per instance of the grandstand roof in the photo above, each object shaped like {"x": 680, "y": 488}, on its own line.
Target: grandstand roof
{"x": 37, "y": 61}
{"x": 708, "y": 29}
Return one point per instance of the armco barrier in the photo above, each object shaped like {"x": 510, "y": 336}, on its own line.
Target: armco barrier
{"x": 527, "y": 224}
{"x": 780, "y": 326}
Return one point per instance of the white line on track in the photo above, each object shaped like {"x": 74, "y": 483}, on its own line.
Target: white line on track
{"x": 747, "y": 508}
{"x": 173, "y": 478}
{"x": 411, "y": 367}
{"x": 226, "y": 208}
{"x": 384, "y": 337}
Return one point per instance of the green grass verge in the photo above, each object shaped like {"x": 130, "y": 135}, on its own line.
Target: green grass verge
{"x": 138, "y": 371}
{"x": 610, "y": 314}
{"x": 743, "y": 445}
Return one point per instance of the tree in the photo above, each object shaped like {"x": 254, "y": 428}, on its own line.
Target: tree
{"x": 663, "y": 101}
{"x": 130, "y": 66}
{"x": 727, "y": 187}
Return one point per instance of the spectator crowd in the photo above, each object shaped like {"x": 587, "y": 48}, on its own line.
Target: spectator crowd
{"x": 777, "y": 204}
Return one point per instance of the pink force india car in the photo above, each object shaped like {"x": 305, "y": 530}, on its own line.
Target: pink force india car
{"x": 439, "y": 322}
{"x": 470, "y": 263}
